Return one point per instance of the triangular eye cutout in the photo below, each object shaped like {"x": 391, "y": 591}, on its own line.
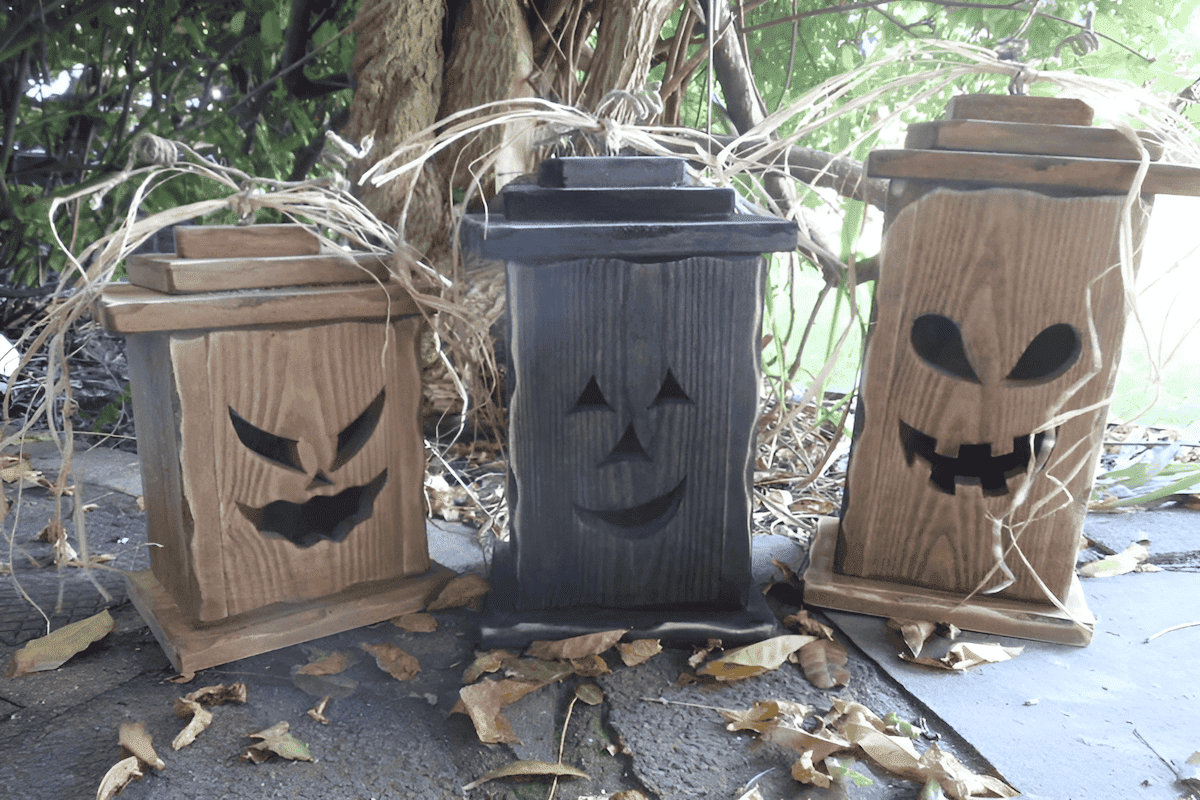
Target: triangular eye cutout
{"x": 275, "y": 449}
{"x": 670, "y": 392}
{"x": 355, "y": 435}
{"x": 938, "y": 340}
{"x": 591, "y": 398}
{"x": 1051, "y": 353}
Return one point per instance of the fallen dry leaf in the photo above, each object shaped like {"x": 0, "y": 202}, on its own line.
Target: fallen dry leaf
{"x": 491, "y": 661}
{"x": 277, "y": 740}
{"x": 183, "y": 677}
{"x": 639, "y": 651}
{"x": 804, "y": 771}
{"x": 590, "y": 666}
{"x": 756, "y": 718}
{"x": 754, "y": 659}
{"x": 700, "y": 653}
{"x": 394, "y": 661}
{"x": 1121, "y": 563}
{"x": 968, "y": 654}
{"x": 317, "y": 712}
{"x": 136, "y": 742}
{"x": 535, "y": 670}
{"x": 896, "y": 754}
{"x": 824, "y": 663}
{"x": 528, "y": 769}
{"x": 201, "y": 719}
{"x": 576, "y": 647}
{"x": 915, "y": 633}
{"x": 802, "y": 622}
{"x": 325, "y": 664}
{"x": 752, "y": 794}
{"x": 482, "y": 703}
{"x": 462, "y": 590}
{"x": 14, "y": 468}
{"x": 822, "y": 744}
{"x": 956, "y": 780}
{"x": 53, "y": 650}
{"x": 120, "y": 775}
{"x": 220, "y": 694}
{"x": 416, "y": 623}
{"x": 589, "y": 693}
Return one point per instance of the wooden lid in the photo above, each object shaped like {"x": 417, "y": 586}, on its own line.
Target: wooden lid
{"x": 1029, "y": 141}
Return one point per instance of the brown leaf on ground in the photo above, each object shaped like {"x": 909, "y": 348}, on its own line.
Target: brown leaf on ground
{"x": 462, "y": 590}
{"x": 535, "y": 670}
{"x": 804, "y": 771}
{"x": 802, "y": 622}
{"x": 589, "y": 693}
{"x": 482, "y": 703}
{"x": 277, "y": 740}
{"x": 317, "y": 712}
{"x": 201, "y": 719}
{"x": 220, "y": 694}
{"x": 821, "y": 743}
{"x": 956, "y": 780}
{"x": 914, "y": 633}
{"x": 700, "y": 653}
{"x": 136, "y": 742}
{"x": 491, "y": 661}
{"x": 968, "y": 654}
{"x": 756, "y": 719}
{"x": 326, "y": 664}
{"x": 16, "y": 468}
{"x": 53, "y": 650}
{"x": 824, "y": 663}
{"x": 896, "y": 754}
{"x": 394, "y": 661}
{"x": 416, "y": 623}
{"x": 1121, "y": 563}
{"x": 590, "y": 666}
{"x": 527, "y": 770}
{"x": 789, "y": 574}
{"x": 639, "y": 651}
{"x": 754, "y": 659}
{"x": 183, "y": 677}
{"x": 120, "y": 775}
{"x": 576, "y": 647}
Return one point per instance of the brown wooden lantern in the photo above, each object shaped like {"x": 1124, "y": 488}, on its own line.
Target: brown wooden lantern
{"x": 633, "y": 377}
{"x": 281, "y": 454}
{"x": 998, "y": 320}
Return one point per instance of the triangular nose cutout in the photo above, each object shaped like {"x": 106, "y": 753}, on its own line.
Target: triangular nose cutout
{"x": 629, "y": 448}
{"x": 318, "y": 481}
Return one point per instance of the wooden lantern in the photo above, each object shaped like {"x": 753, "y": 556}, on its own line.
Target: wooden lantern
{"x": 998, "y": 320}
{"x": 281, "y": 453}
{"x": 633, "y": 376}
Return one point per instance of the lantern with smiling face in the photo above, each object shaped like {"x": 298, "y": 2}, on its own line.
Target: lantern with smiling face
{"x": 632, "y": 424}
{"x": 999, "y": 315}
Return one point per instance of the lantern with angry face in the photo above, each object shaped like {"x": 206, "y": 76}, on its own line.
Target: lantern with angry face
{"x": 999, "y": 315}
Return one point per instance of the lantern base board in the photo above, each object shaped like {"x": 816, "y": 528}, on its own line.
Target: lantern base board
{"x": 192, "y": 647}
{"x": 984, "y": 614}
{"x": 503, "y": 626}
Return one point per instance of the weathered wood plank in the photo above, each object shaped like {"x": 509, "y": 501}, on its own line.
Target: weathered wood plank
{"x": 132, "y": 309}
{"x": 1028, "y": 138}
{"x": 1018, "y": 108}
{"x": 245, "y": 241}
{"x": 1085, "y": 175}
{"x": 174, "y": 275}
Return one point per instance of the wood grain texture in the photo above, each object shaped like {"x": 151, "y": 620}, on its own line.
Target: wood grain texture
{"x": 826, "y": 588}
{"x": 1018, "y": 108}
{"x": 1003, "y": 265}
{"x": 1091, "y": 175}
{"x": 306, "y": 384}
{"x": 1028, "y": 138}
{"x": 245, "y": 241}
{"x": 174, "y": 275}
{"x": 132, "y": 309}
{"x": 191, "y": 647}
{"x": 626, "y": 326}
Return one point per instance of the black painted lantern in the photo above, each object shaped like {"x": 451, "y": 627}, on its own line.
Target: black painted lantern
{"x": 633, "y": 376}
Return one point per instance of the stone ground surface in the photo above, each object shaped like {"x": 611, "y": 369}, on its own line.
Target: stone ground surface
{"x": 1056, "y": 722}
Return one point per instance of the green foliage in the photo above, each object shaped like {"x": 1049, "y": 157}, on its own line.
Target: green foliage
{"x": 206, "y": 72}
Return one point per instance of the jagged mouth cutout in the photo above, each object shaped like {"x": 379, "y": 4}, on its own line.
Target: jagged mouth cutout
{"x": 975, "y": 465}
{"x": 322, "y": 517}
{"x": 641, "y": 521}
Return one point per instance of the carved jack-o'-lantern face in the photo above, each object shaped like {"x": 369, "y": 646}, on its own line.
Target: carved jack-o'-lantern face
{"x": 324, "y": 515}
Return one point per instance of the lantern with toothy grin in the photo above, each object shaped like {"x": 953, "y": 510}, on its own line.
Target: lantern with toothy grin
{"x": 998, "y": 318}
{"x": 635, "y": 305}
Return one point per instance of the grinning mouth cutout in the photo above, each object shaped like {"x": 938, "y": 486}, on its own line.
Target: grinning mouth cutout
{"x": 975, "y": 465}
{"x": 321, "y": 517}
{"x": 639, "y": 522}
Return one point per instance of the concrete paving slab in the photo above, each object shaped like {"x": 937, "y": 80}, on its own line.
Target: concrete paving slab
{"x": 1058, "y": 722}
